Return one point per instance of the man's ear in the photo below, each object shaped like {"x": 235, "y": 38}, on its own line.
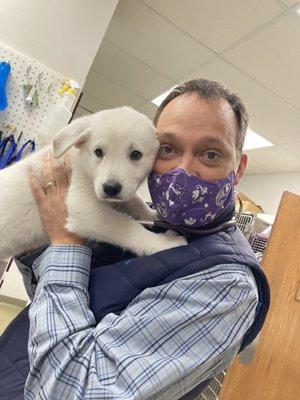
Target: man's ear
{"x": 241, "y": 168}
{"x": 74, "y": 134}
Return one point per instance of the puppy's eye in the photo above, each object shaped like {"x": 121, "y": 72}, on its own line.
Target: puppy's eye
{"x": 99, "y": 152}
{"x": 136, "y": 155}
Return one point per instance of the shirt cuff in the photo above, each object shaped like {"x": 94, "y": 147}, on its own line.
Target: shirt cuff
{"x": 63, "y": 263}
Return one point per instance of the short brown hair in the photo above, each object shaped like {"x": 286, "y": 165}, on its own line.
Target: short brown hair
{"x": 209, "y": 89}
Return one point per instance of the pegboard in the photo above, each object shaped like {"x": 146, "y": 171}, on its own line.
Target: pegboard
{"x": 19, "y": 114}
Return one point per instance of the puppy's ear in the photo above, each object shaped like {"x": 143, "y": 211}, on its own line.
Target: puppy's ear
{"x": 74, "y": 134}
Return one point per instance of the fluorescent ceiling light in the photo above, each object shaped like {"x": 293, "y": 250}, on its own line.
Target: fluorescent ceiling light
{"x": 158, "y": 100}
{"x": 254, "y": 141}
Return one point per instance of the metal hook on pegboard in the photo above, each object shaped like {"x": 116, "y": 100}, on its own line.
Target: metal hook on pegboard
{"x": 28, "y": 118}
{"x": 49, "y": 87}
{"x": 32, "y": 97}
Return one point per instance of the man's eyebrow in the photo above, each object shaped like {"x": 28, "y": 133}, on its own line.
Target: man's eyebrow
{"x": 167, "y": 135}
{"x": 213, "y": 140}
{"x": 206, "y": 139}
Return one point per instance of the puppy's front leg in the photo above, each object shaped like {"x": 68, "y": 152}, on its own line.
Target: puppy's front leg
{"x": 138, "y": 209}
{"x": 109, "y": 225}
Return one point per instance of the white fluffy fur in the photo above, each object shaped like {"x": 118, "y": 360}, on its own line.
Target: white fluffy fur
{"x": 117, "y": 132}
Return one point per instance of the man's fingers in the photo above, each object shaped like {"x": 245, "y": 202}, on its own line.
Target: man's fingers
{"x": 59, "y": 172}
{"x": 47, "y": 173}
{"x": 37, "y": 191}
{"x": 68, "y": 166}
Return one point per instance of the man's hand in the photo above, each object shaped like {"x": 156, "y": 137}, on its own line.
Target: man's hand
{"x": 51, "y": 200}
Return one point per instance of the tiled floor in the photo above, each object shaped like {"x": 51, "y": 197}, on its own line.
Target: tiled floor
{"x": 7, "y": 314}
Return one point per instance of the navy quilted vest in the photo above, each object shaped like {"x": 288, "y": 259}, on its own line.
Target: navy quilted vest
{"x": 113, "y": 286}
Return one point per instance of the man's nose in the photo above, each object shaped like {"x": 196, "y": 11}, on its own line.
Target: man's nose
{"x": 188, "y": 163}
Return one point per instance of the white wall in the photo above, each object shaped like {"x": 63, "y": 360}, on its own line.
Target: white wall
{"x": 64, "y": 35}
{"x": 266, "y": 189}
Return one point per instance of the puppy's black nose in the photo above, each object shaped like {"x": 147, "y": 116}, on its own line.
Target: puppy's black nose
{"x": 112, "y": 188}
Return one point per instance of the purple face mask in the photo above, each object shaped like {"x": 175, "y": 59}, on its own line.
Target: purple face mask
{"x": 183, "y": 199}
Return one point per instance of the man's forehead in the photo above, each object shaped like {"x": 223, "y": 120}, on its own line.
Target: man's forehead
{"x": 192, "y": 105}
{"x": 212, "y": 117}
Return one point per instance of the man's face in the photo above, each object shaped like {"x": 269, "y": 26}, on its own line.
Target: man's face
{"x": 199, "y": 136}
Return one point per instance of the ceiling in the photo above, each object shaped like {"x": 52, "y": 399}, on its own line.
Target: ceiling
{"x": 251, "y": 46}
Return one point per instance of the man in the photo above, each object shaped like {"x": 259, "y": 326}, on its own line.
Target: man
{"x": 171, "y": 333}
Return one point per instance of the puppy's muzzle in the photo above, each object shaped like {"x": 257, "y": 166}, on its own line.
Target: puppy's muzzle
{"x": 112, "y": 189}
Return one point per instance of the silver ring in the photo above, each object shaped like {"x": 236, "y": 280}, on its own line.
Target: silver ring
{"x": 48, "y": 184}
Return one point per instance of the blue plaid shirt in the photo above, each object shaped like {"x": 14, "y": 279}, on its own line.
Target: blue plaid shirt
{"x": 168, "y": 339}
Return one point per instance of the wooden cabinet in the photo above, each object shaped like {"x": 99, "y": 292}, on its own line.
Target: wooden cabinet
{"x": 274, "y": 373}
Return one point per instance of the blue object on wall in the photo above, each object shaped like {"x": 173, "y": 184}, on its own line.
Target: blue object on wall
{"x": 19, "y": 155}
{"x": 6, "y": 153}
{"x": 5, "y": 69}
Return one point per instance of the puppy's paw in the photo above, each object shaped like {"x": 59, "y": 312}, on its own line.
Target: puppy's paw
{"x": 171, "y": 232}
{"x": 161, "y": 242}
{"x": 148, "y": 215}
{"x": 172, "y": 239}
{"x": 153, "y": 215}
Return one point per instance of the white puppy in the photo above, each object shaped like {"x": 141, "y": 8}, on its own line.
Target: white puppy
{"x": 111, "y": 153}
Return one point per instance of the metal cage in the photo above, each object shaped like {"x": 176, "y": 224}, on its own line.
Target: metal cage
{"x": 246, "y": 223}
{"x": 258, "y": 244}
{"x": 212, "y": 391}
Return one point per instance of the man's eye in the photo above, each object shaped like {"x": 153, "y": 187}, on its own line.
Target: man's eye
{"x": 99, "y": 152}
{"x": 211, "y": 155}
{"x": 167, "y": 149}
